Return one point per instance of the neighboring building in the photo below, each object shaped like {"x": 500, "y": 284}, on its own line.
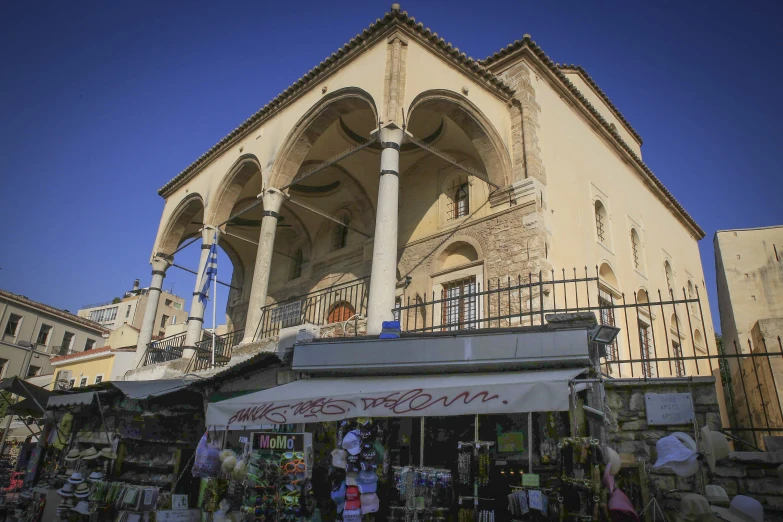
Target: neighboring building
{"x": 51, "y": 330}
{"x": 130, "y": 310}
{"x": 749, "y": 271}
{"x": 83, "y": 369}
{"x": 509, "y": 169}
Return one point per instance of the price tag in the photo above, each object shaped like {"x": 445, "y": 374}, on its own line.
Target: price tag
{"x": 243, "y": 439}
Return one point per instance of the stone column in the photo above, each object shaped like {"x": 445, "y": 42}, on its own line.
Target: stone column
{"x": 383, "y": 278}
{"x": 273, "y": 200}
{"x": 159, "y": 266}
{"x": 196, "y": 315}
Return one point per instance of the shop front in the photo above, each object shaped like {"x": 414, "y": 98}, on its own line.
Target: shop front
{"x": 459, "y": 446}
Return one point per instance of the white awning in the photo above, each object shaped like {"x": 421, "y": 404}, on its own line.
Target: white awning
{"x": 70, "y": 399}
{"x": 319, "y": 400}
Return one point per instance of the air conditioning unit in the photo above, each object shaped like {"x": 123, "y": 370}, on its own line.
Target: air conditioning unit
{"x": 296, "y": 334}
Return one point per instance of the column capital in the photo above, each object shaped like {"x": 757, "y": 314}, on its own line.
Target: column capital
{"x": 208, "y": 235}
{"x": 273, "y": 200}
{"x": 160, "y": 263}
{"x": 390, "y": 136}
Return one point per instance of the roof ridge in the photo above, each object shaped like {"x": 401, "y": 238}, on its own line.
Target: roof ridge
{"x": 52, "y": 310}
{"x": 349, "y": 48}
{"x": 603, "y": 96}
{"x": 555, "y": 69}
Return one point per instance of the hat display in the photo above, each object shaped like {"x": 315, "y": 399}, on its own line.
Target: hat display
{"x": 76, "y": 478}
{"x": 714, "y": 446}
{"x": 678, "y": 453}
{"x": 352, "y": 442}
{"x": 339, "y": 458}
{"x": 338, "y": 493}
{"x": 351, "y": 479}
{"x": 370, "y": 503}
{"x": 352, "y": 515}
{"x": 107, "y": 453}
{"x": 82, "y": 507}
{"x": 613, "y": 458}
{"x": 352, "y": 500}
{"x": 742, "y": 509}
{"x": 72, "y": 455}
{"x": 89, "y": 454}
{"x": 82, "y": 490}
{"x": 95, "y": 476}
{"x": 716, "y": 494}
{"x": 352, "y": 463}
{"x": 367, "y": 482}
{"x": 695, "y": 508}
{"x": 67, "y": 490}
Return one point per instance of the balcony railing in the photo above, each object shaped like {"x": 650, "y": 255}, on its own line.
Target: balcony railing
{"x": 164, "y": 350}
{"x": 338, "y": 303}
{"x": 224, "y": 346}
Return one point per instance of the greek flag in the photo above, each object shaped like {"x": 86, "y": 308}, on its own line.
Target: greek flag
{"x": 210, "y": 273}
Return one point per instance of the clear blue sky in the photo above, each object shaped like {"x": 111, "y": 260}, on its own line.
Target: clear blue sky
{"x": 101, "y": 103}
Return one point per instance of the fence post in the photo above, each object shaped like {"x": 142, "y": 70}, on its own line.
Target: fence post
{"x": 758, "y": 385}
{"x": 745, "y": 391}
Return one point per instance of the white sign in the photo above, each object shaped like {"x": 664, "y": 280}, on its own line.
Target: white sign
{"x": 179, "y": 502}
{"x": 669, "y": 409}
{"x": 288, "y": 314}
{"x": 183, "y": 515}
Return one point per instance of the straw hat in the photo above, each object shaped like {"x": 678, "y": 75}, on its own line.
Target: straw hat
{"x": 714, "y": 446}
{"x": 716, "y": 494}
{"x": 76, "y": 478}
{"x": 72, "y": 455}
{"x": 82, "y": 507}
{"x": 742, "y": 509}
{"x": 695, "y": 508}
{"x": 678, "y": 453}
{"x": 613, "y": 458}
{"x": 67, "y": 490}
{"x": 89, "y": 453}
{"x": 107, "y": 453}
{"x": 95, "y": 476}
{"x": 82, "y": 490}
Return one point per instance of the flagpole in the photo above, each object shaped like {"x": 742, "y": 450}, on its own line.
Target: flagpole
{"x": 214, "y": 305}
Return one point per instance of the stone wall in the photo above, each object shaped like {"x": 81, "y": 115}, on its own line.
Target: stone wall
{"x": 745, "y": 473}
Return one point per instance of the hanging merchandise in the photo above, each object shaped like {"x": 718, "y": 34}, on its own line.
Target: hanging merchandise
{"x": 463, "y": 467}
{"x": 207, "y": 462}
{"x": 483, "y": 470}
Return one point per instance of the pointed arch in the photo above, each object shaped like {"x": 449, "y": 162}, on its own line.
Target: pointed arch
{"x": 474, "y": 123}
{"x": 225, "y": 198}
{"x": 176, "y": 229}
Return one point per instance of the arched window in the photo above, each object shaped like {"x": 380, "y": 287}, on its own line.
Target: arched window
{"x": 296, "y": 264}
{"x": 667, "y": 267}
{"x": 636, "y": 249}
{"x": 340, "y": 312}
{"x": 601, "y": 222}
{"x": 340, "y": 232}
{"x": 692, "y": 295}
{"x": 461, "y": 201}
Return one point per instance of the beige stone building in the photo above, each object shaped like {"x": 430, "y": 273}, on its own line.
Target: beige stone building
{"x": 50, "y": 331}
{"x": 400, "y": 171}
{"x": 129, "y": 310}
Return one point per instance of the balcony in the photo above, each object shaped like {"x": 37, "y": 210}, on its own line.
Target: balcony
{"x": 223, "y": 348}
{"x": 164, "y": 350}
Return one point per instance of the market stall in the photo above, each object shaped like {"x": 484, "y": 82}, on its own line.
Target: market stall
{"x": 438, "y": 447}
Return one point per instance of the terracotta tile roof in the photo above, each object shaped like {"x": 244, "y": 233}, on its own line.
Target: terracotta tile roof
{"x": 527, "y": 42}
{"x": 54, "y": 311}
{"x": 355, "y": 46}
{"x": 69, "y": 356}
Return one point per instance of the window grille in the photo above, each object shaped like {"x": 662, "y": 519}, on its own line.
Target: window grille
{"x": 459, "y": 304}
{"x": 644, "y": 342}
{"x": 599, "y": 222}
{"x": 635, "y": 249}
{"x": 677, "y": 354}
{"x": 458, "y": 201}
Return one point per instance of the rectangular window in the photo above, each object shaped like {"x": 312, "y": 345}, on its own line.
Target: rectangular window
{"x": 13, "y": 324}
{"x": 65, "y": 346}
{"x": 173, "y": 319}
{"x": 178, "y": 306}
{"x": 89, "y": 345}
{"x": 459, "y": 304}
{"x": 127, "y": 311}
{"x": 33, "y": 371}
{"x": 3, "y": 362}
{"x": 43, "y": 335}
{"x": 679, "y": 362}
{"x": 167, "y": 302}
{"x": 607, "y": 318}
{"x": 98, "y": 379}
{"x": 83, "y": 382}
{"x": 163, "y": 320}
{"x": 648, "y": 368}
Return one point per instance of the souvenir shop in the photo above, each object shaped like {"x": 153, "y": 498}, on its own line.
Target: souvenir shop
{"x": 117, "y": 452}
{"x": 470, "y": 447}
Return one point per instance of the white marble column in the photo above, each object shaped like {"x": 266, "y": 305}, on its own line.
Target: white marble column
{"x": 273, "y": 200}
{"x": 196, "y": 315}
{"x": 383, "y": 278}
{"x": 159, "y": 266}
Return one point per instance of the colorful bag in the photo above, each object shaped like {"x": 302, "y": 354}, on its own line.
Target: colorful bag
{"x": 207, "y": 460}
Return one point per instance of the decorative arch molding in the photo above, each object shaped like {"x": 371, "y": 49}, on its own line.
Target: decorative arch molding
{"x": 311, "y": 126}
{"x": 438, "y": 254}
{"x": 475, "y": 124}
{"x": 609, "y": 278}
{"x": 221, "y": 204}
{"x": 176, "y": 227}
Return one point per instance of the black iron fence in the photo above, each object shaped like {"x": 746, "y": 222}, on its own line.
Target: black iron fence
{"x": 337, "y": 303}
{"x": 163, "y": 350}
{"x": 223, "y": 349}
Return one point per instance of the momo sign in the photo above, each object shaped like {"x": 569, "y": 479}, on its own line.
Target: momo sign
{"x": 266, "y": 440}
